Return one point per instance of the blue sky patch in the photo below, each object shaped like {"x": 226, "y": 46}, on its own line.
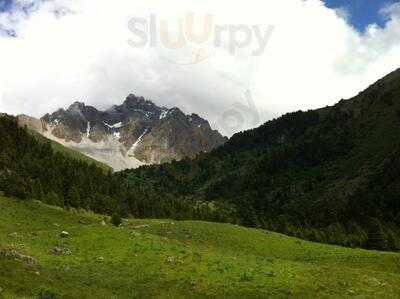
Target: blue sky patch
{"x": 362, "y": 12}
{"x": 5, "y": 5}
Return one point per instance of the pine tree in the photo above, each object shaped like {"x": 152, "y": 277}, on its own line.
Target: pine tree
{"x": 376, "y": 235}
{"x": 52, "y": 198}
{"x": 116, "y": 220}
{"x": 73, "y": 198}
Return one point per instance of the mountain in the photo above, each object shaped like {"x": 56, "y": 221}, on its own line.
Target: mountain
{"x": 129, "y": 135}
{"x": 328, "y": 175}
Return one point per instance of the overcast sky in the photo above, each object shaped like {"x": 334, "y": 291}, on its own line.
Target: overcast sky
{"x": 55, "y": 52}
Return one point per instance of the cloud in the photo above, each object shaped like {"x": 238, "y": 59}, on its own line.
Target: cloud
{"x": 78, "y": 50}
{"x": 343, "y": 12}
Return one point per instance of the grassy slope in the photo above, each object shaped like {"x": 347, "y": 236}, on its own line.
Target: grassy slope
{"x": 57, "y": 147}
{"x": 208, "y": 260}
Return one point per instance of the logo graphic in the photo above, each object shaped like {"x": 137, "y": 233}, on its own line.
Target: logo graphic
{"x": 196, "y": 45}
{"x": 240, "y": 116}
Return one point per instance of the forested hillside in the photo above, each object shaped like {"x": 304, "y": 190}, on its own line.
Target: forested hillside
{"x": 330, "y": 175}
{"x": 31, "y": 169}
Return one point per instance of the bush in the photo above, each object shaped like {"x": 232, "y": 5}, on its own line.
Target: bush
{"x": 52, "y": 198}
{"x": 116, "y": 220}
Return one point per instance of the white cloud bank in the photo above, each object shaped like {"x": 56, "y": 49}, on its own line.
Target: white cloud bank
{"x": 69, "y": 50}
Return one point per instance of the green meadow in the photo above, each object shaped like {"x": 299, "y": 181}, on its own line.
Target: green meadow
{"x": 173, "y": 259}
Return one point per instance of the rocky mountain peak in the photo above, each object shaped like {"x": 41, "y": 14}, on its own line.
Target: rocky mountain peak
{"x": 77, "y": 106}
{"x": 134, "y": 102}
{"x": 133, "y": 99}
{"x": 131, "y": 134}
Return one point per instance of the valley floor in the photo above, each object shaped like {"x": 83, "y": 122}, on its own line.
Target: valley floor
{"x": 171, "y": 259}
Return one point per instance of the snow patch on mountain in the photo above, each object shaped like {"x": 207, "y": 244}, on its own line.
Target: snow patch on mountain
{"x": 109, "y": 151}
{"x": 163, "y": 114}
{"x": 131, "y": 151}
{"x": 114, "y": 126}
{"x": 88, "y": 129}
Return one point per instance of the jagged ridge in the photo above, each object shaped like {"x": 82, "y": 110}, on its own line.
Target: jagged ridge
{"x": 129, "y": 135}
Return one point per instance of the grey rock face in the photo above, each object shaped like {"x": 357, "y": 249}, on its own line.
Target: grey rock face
{"x": 126, "y": 136}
